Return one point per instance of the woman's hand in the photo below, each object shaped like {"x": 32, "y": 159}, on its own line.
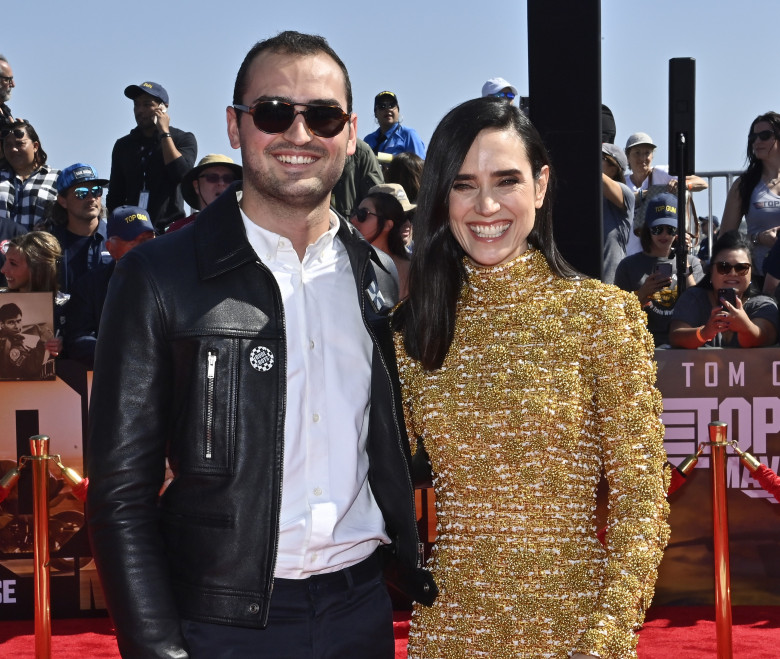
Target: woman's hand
{"x": 734, "y": 317}
{"x": 652, "y": 284}
{"x": 766, "y": 238}
{"x": 579, "y": 655}
{"x": 716, "y": 323}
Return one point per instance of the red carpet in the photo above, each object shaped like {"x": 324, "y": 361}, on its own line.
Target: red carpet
{"x": 670, "y": 631}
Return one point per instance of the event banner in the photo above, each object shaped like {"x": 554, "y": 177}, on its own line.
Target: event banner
{"x": 738, "y": 387}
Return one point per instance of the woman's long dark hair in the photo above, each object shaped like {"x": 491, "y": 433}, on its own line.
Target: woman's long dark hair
{"x": 437, "y": 273}
{"x": 730, "y": 240}
{"x": 40, "y": 155}
{"x": 752, "y": 175}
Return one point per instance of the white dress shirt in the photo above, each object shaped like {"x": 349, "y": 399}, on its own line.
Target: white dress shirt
{"x": 329, "y": 517}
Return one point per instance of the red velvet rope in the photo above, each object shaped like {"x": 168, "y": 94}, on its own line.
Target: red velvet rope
{"x": 80, "y": 490}
{"x": 768, "y": 479}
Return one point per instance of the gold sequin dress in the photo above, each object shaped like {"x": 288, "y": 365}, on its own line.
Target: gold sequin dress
{"x": 547, "y": 383}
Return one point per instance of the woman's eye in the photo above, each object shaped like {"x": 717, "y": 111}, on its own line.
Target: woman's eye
{"x": 461, "y": 186}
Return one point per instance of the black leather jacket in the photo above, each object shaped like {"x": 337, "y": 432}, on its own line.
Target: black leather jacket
{"x": 184, "y": 316}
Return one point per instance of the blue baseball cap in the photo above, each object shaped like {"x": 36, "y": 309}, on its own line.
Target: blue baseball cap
{"x": 78, "y": 174}
{"x": 151, "y": 88}
{"x": 128, "y": 222}
{"x": 661, "y": 209}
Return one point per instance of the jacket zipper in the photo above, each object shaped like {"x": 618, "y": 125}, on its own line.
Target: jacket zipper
{"x": 212, "y": 367}
{"x": 283, "y": 366}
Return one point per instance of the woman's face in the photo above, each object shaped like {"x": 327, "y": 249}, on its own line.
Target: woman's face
{"x": 664, "y": 240}
{"x": 20, "y": 151}
{"x": 370, "y": 225}
{"x": 640, "y": 159}
{"x": 16, "y": 270}
{"x": 764, "y": 148}
{"x": 730, "y": 279}
{"x": 494, "y": 198}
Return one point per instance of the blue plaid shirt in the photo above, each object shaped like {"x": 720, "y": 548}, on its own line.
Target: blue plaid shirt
{"x": 25, "y": 202}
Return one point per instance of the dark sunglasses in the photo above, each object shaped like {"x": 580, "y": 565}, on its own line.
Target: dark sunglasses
{"x": 18, "y": 133}
{"x": 764, "y": 135}
{"x": 213, "y": 177}
{"x": 658, "y": 230}
{"x": 362, "y": 214}
{"x": 96, "y": 191}
{"x": 508, "y": 95}
{"x": 386, "y": 105}
{"x": 725, "y": 268}
{"x": 274, "y": 117}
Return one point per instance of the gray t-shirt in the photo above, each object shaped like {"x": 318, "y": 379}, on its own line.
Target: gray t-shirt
{"x": 617, "y": 228}
{"x": 695, "y": 308}
{"x": 631, "y": 274}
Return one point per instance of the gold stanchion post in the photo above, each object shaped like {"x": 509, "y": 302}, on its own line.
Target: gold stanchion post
{"x": 718, "y": 443}
{"x": 39, "y": 449}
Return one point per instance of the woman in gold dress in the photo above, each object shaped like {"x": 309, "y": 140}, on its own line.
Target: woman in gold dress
{"x": 526, "y": 383}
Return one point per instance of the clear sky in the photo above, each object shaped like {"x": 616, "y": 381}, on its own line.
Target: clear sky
{"x": 71, "y": 63}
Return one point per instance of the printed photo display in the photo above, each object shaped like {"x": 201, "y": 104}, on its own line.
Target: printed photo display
{"x": 26, "y": 323}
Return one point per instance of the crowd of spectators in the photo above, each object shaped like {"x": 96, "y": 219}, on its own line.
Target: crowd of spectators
{"x": 153, "y": 173}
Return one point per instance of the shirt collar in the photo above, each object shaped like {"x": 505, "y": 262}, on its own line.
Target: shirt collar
{"x": 268, "y": 245}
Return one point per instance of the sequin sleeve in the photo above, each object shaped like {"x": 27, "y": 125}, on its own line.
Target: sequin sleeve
{"x": 408, "y": 371}
{"x": 620, "y": 364}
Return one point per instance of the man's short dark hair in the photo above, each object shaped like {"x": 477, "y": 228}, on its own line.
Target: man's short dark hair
{"x": 290, "y": 43}
{"x": 9, "y": 311}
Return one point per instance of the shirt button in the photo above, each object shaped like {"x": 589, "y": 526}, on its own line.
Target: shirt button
{"x": 315, "y": 417}
{"x": 311, "y": 345}
{"x": 317, "y": 491}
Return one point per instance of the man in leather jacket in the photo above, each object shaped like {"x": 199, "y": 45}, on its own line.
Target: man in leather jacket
{"x": 252, "y": 350}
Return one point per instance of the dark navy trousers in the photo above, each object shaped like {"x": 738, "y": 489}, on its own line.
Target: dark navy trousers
{"x": 340, "y": 615}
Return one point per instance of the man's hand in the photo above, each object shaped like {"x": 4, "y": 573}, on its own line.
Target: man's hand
{"x": 163, "y": 120}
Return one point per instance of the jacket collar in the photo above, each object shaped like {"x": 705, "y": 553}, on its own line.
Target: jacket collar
{"x": 221, "y": 243}
{"x": 220, "y": 240}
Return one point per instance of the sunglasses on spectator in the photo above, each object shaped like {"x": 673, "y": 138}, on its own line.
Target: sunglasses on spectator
{"x": 658, "y": 230}
{"x": 509, "y": 95}
{"x": 18, "y": 133}
{"x": 362, "y": 214}
{"x": 764, "y": 135}
{"x": 725, "y": 268}
{"x": 274, "y": 117}
{"x": 213, "y": 177}
{"x": 96, "y": 191}
{"x": 385, "y": 105}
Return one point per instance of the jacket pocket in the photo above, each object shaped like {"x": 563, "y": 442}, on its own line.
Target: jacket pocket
{"x": 203, "y": 437}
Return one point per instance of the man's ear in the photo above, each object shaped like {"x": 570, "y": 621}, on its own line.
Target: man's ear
{"x": 233, "y": 117}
